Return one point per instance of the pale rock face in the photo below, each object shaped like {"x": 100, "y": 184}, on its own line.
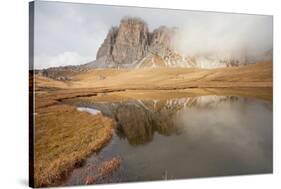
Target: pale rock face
{"x": 161, "y": 40}
{"x": 124, "y": 44}
{"x": 131, "y": 41}
{"x": 106, "y": 48}
{"x": 104, "y": 54}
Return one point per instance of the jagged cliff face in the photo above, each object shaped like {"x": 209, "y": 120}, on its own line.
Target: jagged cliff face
{"x": 105, "y": 51}
{"x": 125, "y": 44}
{"x": 131, "y": 41}
{"x": 131, "y": 45}
{"x": 161, "y": 40}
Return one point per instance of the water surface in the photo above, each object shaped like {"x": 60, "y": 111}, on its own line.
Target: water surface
{"x": 183, "y": 138}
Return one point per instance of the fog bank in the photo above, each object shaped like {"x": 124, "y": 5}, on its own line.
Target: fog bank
{"x": 226, "y": 35}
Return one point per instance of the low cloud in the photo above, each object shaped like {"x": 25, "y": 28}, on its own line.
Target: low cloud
{"x": 63, "y": 59}
{"x": 225, "y": 35}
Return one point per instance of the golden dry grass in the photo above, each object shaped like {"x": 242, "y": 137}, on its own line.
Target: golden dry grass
{"x": 64, "y": 137}
{"x": 43, "y": 82}
{"x": 256, "y": 75}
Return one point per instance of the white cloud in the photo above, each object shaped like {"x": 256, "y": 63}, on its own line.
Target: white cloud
{"x": 63, "y": 59}
{"x": 226, "y": 35}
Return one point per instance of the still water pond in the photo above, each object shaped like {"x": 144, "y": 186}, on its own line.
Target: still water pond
{"x": 183, "y": 138}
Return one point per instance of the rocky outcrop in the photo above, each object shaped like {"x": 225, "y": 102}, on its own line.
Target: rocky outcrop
{"x": 125, "y": 44}
{"x": 161, "y": 40}
{"x": 131, "y": 42}
{"x": 105, "y": 51}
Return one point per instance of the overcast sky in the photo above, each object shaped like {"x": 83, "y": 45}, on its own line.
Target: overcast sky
{"x": 71, "y": 33}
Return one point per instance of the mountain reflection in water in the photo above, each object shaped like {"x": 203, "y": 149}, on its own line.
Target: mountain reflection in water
{"x": 138, "y": 120}
{"x": 188, "y": 137}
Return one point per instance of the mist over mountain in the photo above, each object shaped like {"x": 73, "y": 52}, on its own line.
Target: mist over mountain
{"x": 245, "y": 39}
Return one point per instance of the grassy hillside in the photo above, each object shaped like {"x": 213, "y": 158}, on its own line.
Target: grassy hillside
{"x": 256, "y": 75}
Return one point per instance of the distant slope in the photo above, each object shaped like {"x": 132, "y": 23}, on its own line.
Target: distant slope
{"x": 254, "y": 75}
{"x": 42, "y": 82}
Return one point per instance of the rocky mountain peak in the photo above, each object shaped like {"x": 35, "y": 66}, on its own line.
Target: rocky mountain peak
{"x": 131, "y": 41}
{"x": 132, "y": 31}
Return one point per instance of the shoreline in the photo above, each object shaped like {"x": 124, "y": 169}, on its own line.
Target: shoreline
{"x": 59, "y": 128}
